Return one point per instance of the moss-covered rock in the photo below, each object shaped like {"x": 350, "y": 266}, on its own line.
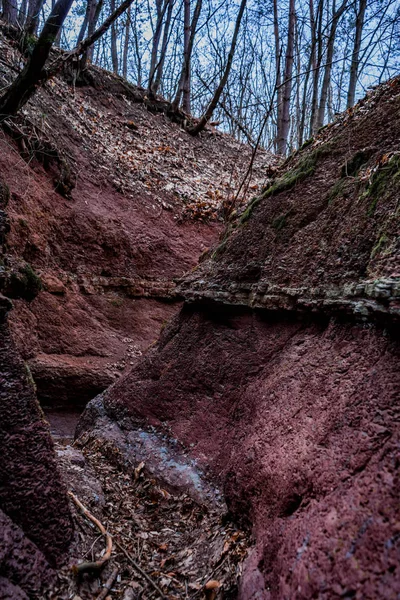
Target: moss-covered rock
{"x": 387, "y": 173}
{"x": 304, "y": 168}
{"x": 24, "y": 283}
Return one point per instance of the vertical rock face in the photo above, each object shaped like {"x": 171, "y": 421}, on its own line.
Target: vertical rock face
{"x": 24, "y": 571}
{"x": 35, "y": 523}
{"x": 298, "y": 420}
{"x": 281, "y": 375}
{"x": 31, "y": 493}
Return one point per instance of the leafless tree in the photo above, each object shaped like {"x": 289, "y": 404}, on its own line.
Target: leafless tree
{"x": 34, "y": 72}
{"x": 189, "y": 27}
{"x": 284, "y": 114}
{"x": 351, "y": 94}
{"x": 217, "y": 94}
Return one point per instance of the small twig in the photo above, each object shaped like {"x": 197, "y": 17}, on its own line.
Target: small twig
{"x": 108, "y": 585}
{"x": 99, "y": 564}
{"x": 92, "y": 546}
{"x": 140, "y": 570}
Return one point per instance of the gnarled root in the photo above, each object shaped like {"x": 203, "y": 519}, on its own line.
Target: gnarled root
{"x": 96, "y": 566}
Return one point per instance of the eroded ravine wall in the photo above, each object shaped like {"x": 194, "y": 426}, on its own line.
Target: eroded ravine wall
{"x": 35, "y": 524}
{"x": 280, "y": 376}
{"x": 299, "y": 422}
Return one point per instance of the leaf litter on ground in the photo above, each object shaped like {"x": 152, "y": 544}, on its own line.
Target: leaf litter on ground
{"x": 186, "y": 549}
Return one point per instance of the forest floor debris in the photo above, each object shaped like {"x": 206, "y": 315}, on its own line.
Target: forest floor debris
{"x": 164, "y": 545}
{"x": 140, "y": 152}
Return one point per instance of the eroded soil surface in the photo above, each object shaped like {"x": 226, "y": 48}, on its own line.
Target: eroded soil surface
{"x": 109, "y": 204}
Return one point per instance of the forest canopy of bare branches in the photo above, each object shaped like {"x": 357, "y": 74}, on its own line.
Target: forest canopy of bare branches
{"x": 268, "y": 71}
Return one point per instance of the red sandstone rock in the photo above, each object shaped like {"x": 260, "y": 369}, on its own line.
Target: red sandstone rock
{"x": 31, "y": 493}
{"x": 292, "y": 410}
{"x": 52, "y": 284}
{"x": 108, "y": 252}
{"x": 36, "y": 529}
{"x": 25, "y": 573}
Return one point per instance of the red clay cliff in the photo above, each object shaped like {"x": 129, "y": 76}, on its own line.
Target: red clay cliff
{"x": 280, "y": 376}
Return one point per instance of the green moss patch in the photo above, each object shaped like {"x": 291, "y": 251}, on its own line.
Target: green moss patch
{"x": 25, "y": 283}
{"x": 352, "y": 167}
{"x": 336, "y": 191}
{"x": 381, "y": 180}
{"x": 380, "y": 245}
{"x": 305, "y": 167}
{"x": 280, "y": 222}
{"x": 306, "y": 143}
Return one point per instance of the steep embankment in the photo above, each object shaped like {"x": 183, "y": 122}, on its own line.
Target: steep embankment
{"x": 280, "y": 375}
{"x": 109, "y": 203}
{"x": 35, "y": 522}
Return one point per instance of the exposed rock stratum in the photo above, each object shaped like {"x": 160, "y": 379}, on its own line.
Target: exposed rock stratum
{"x": 280, "y": 375}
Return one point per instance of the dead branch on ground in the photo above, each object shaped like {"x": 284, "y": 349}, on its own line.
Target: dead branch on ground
{"x": 99, "y": 564}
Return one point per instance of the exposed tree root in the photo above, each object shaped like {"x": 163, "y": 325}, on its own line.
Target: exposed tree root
{"x": 34, "y": 143}
{"x": 97, "y": 565}
{"x": 108, "y": 585}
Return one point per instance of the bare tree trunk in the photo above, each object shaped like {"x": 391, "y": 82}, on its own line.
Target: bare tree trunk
{"x": 317, "y": 68}
{"x": 114, "y": 52}
{"x": 93, "y": 13}
{"x": 311, "y": 66}
{"x": 189, "y": 34}
{"x": 32, "y": 20}
{"x": 295, "y": 138}
{"x": 278, "y": 70}
{"x": 10, "y": 11}
{"x": 137, "y": 49}
{"x": 283, "y": 126}
{"x": 92, "y": 26}
{"x": 160, "y": 67}
{"x": 336, "y": 14}
{"x": 186, "y": 38}
{"x": 186, "y": 72}
{"x": 83, "y": 28}
{"x": 22, "y": 12}
{"x": 156, "y": 42}
{"x": 211, "y": 107}
{"x": 33, "y": 73}
{"x": 356, "y": 53}
{"x": 126, "y": 44}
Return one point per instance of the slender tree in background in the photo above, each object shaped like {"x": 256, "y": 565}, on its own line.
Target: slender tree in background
{"x": 189, "y": 29}
{"x": 114, "y": 52}
{"x": 93, "y": 13}
{"x": 32, "y": 18}
{"x": 217, "y": 94}
{"x": 317, "y": 43}
{"x": 284, "y": 113}
{"x": 323, "y": 54}
{"x": 361, "y": 7}
{"x": 336, "y": 14}
{"x": 278, "y": 67}
{"x": 311, "y": 67}
{"x": 126, "y": 43}
{"x": 161, "y": 7}
{"x": 160, "y": 65}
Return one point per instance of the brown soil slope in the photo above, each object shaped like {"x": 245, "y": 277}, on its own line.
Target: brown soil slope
{"x": 281, "y": 374}
{"x": 109, "y": 203}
